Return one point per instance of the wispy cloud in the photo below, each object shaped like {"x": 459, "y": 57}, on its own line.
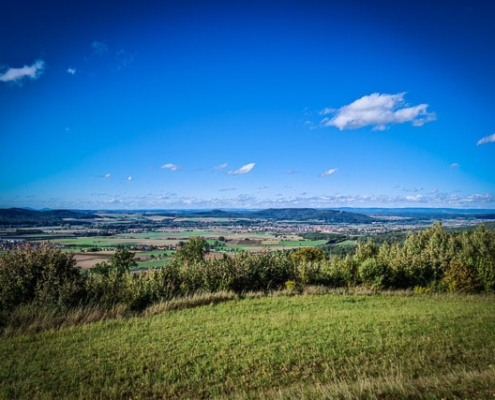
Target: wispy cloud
{"x": 108, "y": 175}
{"x": 328, "y": 172}
{"x": 99, "y": 47}
{"x": 487, "y": 139}
{"x": 71, "y": 71}
{"x": 454, "y": 165}
{"x": 243, "y": 170}
{"x": 219, "y": 167}
{"x": 413, "y": 190}
{"x": 377, "y": 110}
{"x": 129, "y": 178}
{"x": 16, "y": 75}
{"x": 170, "y": 166}
{"x": 124, "y": 59}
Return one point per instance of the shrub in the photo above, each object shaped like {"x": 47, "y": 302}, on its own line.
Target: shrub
{"x": 39, "y": 273}
{"x": 373, "y": 273}
{"x": 460, "y": 277}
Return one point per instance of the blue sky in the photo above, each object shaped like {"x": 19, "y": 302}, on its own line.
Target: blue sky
{"x": 245, "y": 104}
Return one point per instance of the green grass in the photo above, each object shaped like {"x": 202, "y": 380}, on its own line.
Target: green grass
{"x": 302, "y": 243}
{"x": 97, "y": 241}
{"x": 153, "y": 263}
{"x": 347, "y": 243}
{"x": 327, "y": 346}
{"x": 195, "y": 232}
{"x": 145, "y": 235}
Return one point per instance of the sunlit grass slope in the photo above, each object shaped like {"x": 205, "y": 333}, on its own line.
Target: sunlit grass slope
{"x": 387, "y": 346}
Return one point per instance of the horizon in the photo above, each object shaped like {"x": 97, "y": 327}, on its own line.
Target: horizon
{"x": 247, "y": 105}
{"x": 117, "y": 210}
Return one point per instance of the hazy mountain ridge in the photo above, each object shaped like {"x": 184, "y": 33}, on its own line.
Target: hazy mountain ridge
{"x": 24, "y": 216}
{"x": 309, "y": 214}
{"x": 31, "y": 217}
{"x": 426, "y": 213}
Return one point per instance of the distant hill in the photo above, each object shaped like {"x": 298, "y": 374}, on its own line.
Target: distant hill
{"x": 426, "y": 213}
{"x": 23, "y": 216}
{"x": 281, "y": 214}
{"x": 220, "y": 214}
{"x": 311, "y": 214}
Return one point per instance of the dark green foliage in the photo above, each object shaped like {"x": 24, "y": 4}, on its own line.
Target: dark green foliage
{"x": 22, "y": 216}
{"x": 121, "y": 262}
{"x": 288, "y": 214}
{"x": 194, "y": 250}
{"x": 331, "y": 238}
{"x": 111, "y": 283}
{"x": 372, "y": 272}
{"x": 308, "y": 254}
{"x": 308, "y": 214}
{"x": 40, "y": 274}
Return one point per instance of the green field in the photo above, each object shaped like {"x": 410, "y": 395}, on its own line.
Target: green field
{"x": 146, "y": 235}
{"x": 309, "y": 346}
{"x": 300, "y": 243}
{"x": 153, "y": 263}
{"x": 347, "y": 243}
{"x": 98, "y": 241}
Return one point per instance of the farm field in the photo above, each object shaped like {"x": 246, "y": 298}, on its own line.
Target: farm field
{"x": 91, "y": 250}
{"x": 308, "y": 346}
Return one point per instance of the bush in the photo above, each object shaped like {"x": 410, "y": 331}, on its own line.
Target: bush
{"x": 39, "y": 273}
{"x": 373, "y": 273}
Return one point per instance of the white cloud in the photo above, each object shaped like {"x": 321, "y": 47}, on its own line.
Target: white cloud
{"x": 485, "y": 198}
{"x": 416, "y": 198}
{"x": 129, "y": 178}
{"x": 99, "y": 47}
{"x": 219, "y": 167}
{"x": 243, "y": 170}
{"x": 413, "y": 190}
{"x": 328, "y": 172}
{"x": 454, "y": 165}
{"x": 108, "y": 175}
{"x": 71, "y": 71}
{"x": 327, "y": 111}
{"x": 377, "y": 110}
{"x": 170, "y": 166}
{"x": 17, "y": 74}
{"x": 487, "y": 139}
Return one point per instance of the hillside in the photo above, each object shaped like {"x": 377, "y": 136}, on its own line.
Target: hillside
{"x": 425, "y": 213}
{"x": 23, "y": 216}
{"x": 281, "y": 214}
{"x": 311, "y": 214}
{"x": 312, "y": 347}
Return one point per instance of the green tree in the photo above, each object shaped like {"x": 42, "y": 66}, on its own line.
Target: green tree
{"x": 308, "y": 254}
{"x": 366, "y": 250}
{"x": 121, "y": 262}
{"x": 194, "y": 250}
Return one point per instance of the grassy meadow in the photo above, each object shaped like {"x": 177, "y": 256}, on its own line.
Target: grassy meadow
{"x": 388, "y": 345}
